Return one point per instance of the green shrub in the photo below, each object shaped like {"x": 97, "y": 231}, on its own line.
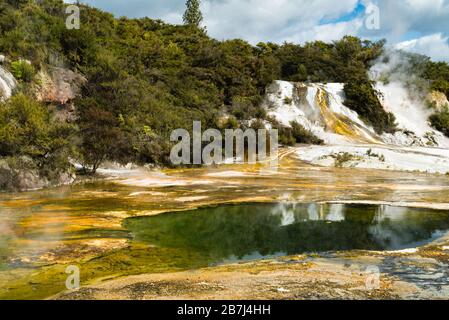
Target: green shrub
{"x": 288, "y": 101}
{"x": 440, "y": 121}
{"x": 23, "y": 70}
{"x": 442, "y": 86}
{"x": 363, "y": 99}
{"x": 230, "y": 123}
{"x": 342, "y": 158}
{"x": 286, "y": 137}
{"x": 289, "y": 136}
{"x": 24, "y": 127}
{"x": 26, "y": 130}
{"x": 302, "y": 135}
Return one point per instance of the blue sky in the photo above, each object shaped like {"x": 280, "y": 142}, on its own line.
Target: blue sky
{"x": 415, "y": 25}
{"x": 354, "y": 14}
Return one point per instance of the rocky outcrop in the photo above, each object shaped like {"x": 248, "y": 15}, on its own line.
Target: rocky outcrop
{"x": 437, "y": 100}
{"x": 19, "y": 174}
{"x": 58, "y": 85}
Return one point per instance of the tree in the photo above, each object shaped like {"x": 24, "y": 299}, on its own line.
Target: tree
{"x": 24, "y": 127}
{"x": 363, "y": 99}
{"x": 440, "y": 121}
{"x": 29, "y": 137}
{"x": 192, "y": 15}
{"x": 101, "y": 137}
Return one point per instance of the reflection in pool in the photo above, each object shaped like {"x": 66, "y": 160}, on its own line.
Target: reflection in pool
{"x": 250, "y": 231}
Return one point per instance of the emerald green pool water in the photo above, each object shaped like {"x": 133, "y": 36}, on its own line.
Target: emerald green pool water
{"x": 207, "y": 236}
{"x": 231, "y": 233}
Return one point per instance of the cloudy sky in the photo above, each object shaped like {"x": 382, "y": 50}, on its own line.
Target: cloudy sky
{"x": 416, "y": 25}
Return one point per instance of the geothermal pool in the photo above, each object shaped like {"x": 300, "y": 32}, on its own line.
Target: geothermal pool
{"x": 231, "y": 233}
{"x": 181, "y": 220}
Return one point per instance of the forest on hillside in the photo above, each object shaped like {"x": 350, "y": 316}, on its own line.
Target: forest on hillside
{"x": 145, "y": 78}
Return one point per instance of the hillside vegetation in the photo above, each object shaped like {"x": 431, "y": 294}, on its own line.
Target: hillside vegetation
{"x": 146, "y": 78}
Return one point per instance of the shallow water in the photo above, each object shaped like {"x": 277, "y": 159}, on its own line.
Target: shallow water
{"x": 94, "y": 225}
{"x": 243, "y": 232}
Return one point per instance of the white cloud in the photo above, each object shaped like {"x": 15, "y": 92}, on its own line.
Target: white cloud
{"x": 327, "y": 32}
{"x": 167, "y": 10}
{"x": 270, "y": 20}
{"x": 399, "y": 18}
{"x": 435, "y": 46}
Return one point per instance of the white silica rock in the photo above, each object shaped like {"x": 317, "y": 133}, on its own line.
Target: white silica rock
{"x": 396, "y": 158}
{"x": 7, "y": 83}
{"x": 319, "y": 108}
{"x": 352, "y": 143}
{"x": 411, "y": 116}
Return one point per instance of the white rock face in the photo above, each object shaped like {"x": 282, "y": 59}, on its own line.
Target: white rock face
{"x": 421, "y": 159}
{"x": 7, "y": 84}
{"x": 352, "y": 143}
{"x": 318, "y": 108}
{"x": 411, "y": 116}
